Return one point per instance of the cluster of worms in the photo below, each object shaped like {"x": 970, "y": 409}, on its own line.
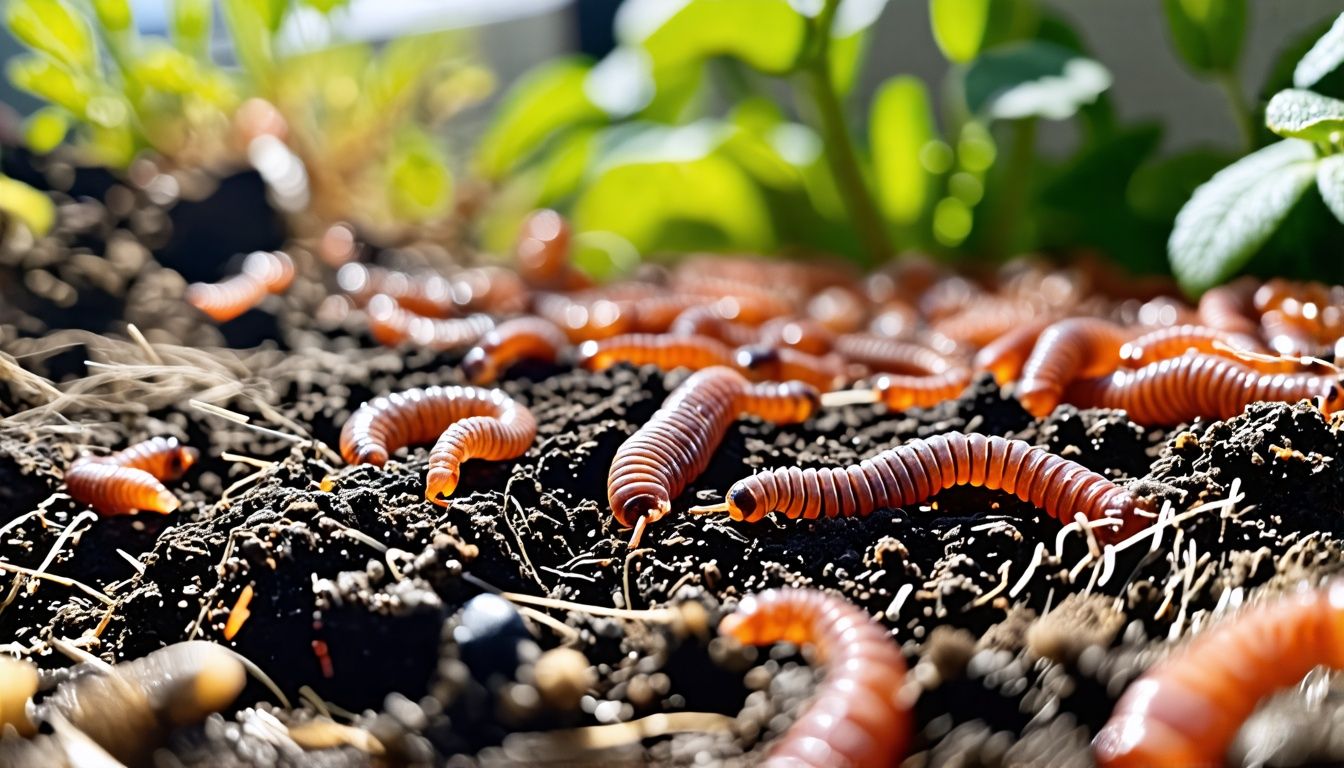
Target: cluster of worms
{"x": 131, "y": 479}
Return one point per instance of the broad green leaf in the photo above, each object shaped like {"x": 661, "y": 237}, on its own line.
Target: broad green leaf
{"x": 56, "y": 29}
{"x": 544, "y": 101}
{"x": 114, "y": 15}
{"x": 767, "y": 34}
{"x": 959, "y": 27}
{"x": 621, "y": 84}
{"x": 1330, "y": 182}
{"x": 1304, "y": 115}
{"x": 45, "y": 129}
{"x": 1232, "y": 215}
{"x": 1207, "y": 33}
{"x": 27, "y": 205}
{"x": 166, "y": 69}
{"x": 900, "y": 125}
{"x": 1323, "y": 58}
{"x": 419, "y": 184}
{"x": 46, "y": 79}
{"x": 190, "y": 25}
{"x": 1033, "y": 79}
{"x": 563, "y": 171}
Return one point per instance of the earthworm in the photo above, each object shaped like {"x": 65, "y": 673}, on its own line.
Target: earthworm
{"x": 1230, "y": 307}
{"x": 543, "y": 248}
{"x": 392, "y": 324}
{"x": 900, "y": 392}
{"x": 264, "y": 272}
{"x": 749, "y": 302}
{"x": 675, "y": 445}
{"x": 1165, "y": 311}
{"x": 803, "y": 277}
{"x": 985, "y": 320}
{"x": 708, "y": 320}
{"x": 904, "y": 280}
{"x": 428, "y": 294}
{"x": 131, "y": 479}
{"x": 1079, "y": 347}
{"x": 656, "y": 314}
{"x": 858, "y": 716}
{"x": 1176, "y": 340}
{"x": 838, "y": 309}
{"x": 1187, "y": 709}
{"x": 802, "y": 334}
{"x": 1005, "y": 356}
{"x": 665, "y": 352}
{"x": 493, "y": 290}
{"x": 766, "y": 363}
{"x": 1180, "y": 389}
{"x": 522, "y": 338}
{"x": 891, "y": 355}
{"x": 468, "y": 422}
{"x": 895, "y": 321}
{"x": 1288, "y": 334}
{"x": 579, "y": 318}
{"x": 918, "y": 469}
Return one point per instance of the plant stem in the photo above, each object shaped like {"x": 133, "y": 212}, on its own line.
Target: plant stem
{"x": 1011, "y": 196}
{"x": 839, "y": 144}
{"x": 1241, "y": 110}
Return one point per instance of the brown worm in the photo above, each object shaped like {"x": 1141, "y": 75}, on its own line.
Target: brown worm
{"x": 747, "y": 301}
{"x": 858, "y": 716}
{"x": 1181, "y": 389}
{"x": 391, "y": 324}
{"x": 900, "y": 392}
{"x": 675, "y": 445}
{"x": 665, "y": 352}
{"x": 543, "y": 248}
{"x": 1187, "y": 709}
{"x": 492, "y": 290}
{"x": 986, "y": 320}
{"x": 891, "y": 355}
{"x": 264, "y": 273}
{"x": 1230, "y": 307}
{"x": 467, "y": 422}
{"x": 1005, "y": 356}
{"x": 914, "y": 472}
{"x": 895, "y": 321}
{"x": 1288, "y": 334}
{"x": 838, "y": 309}
{"x": 1080, "y": 347}
{"x": 1176, "y": 340}
{"x": 131, "y": 479}
{"x": 801, "y": 334}
{"x": 708, "y": 320}
{"x": 522, "y": 338}
{"x": 766, "y": 363}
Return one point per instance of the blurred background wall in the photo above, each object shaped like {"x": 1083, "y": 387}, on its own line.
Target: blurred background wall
{"x": 1128, "y": 36}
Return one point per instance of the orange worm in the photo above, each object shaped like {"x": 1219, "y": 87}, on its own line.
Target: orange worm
{"x": 1176, "y": 340}
{"x": 899, "y": 392}
{"x": 1187, "y": 709}
{"x": 891, "y": 355}
{"x": 581, "y": 318}
{"x": 665, "y": 352}
{"x": 1288, "y": 334}
{"x": 522, "y": 338}
{"x": 912, "y": 473}
{"x": 766, "y": 363}
{"x": 493, "y": 290}
{"x": 838, "y": 309}
{"x": 428, "y": 294}
{"x": 1079, "y": 347}
{"x": 750, "y": 303}
{"x": 985, "y": 320}
{"x": 709, "y": 320}
{"x": 1005, "y": 356}
{"x": 858, "y": 716}
{"x": 468, "y": 423}
{"x": 656, "y": 314}
{"x": 801, "y": 334}
{"x": 1230, "y": 307}
{"x": 1180, "y": 389}
{"x": 543, "y": 248}
{"x": 895, "y": 321}
{"x": 131, "y": 479}
{"x": 392, "y": 324}
{"x": 904, "y": 280}
{"x": 675, "y": 445}
{"x": 1164, "y": 311}
{"x": 264, "y": 272}
{"x": 948, "y": 297}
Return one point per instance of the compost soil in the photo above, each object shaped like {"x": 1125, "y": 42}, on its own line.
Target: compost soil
{"x": 374, "y": 605}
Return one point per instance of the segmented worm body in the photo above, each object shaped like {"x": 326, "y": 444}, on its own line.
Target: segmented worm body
{"x": 857, "y": 716}
{"x": 708, "y": 320}
{"x": 657, "y": 313}
{"x": 264, "y": 272}
{"x": 1187, "y": 709}
{"x": 428, "y": 294}
{"x": 665, "y": 352}
{"x": 522, "y": 338}
{"x": 986, "y": 320}
{"x": 1176, "y": 340}
{"x": 1005, "y": 356}
{"x": 1069, "y": 349}
{"x": 131, "y": 479}
{"x": 659, "y": 460}
{"x": 581, "y": 319}
{"x": 392, "y": 324}
{"x": 745, "y": 301}
{"x": 1181, "y": 389}
{"x": 915, "y": 471}
{"x": 895, "y": 321}
{"x": 802, "y": 334}
{"x": 839, "y": 310}
{"x": 493, "y": 290}
{"x": 1288, "y": 334}
{"x": 766, "y": 363}
{"x": 900, "y": 392}
{"x": 468, "y": 423}
{"x": 891, "y": 355}
{"x": 1230, "y": 307}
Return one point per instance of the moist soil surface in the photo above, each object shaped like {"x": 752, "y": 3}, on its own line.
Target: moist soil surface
{"x": 373, "y": 605}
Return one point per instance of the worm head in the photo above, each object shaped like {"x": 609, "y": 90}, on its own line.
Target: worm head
{"x": 440, "y": 482}
{"x": 476, "y": 365}
{"x": 191, "y": 680}
{"x": 742, "y": 504}
{"x": 180, "y": 460}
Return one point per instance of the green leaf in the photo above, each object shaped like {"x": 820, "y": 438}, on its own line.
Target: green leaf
{"x": 114, "y": 15}
{"x": 419, "y": 184}
{"x": 251, "y": 25}
{"x": 1232, "y": 215}
{"x": 546, "y": 100}
{"x": 1033, "y": 79}
{"x": 45, "y": 129}
{"x": 48, "y": 80}
{"x": 326, "y": 6}
{"x": 1159, "y": 188}
{"x": 1304, "y": 115}
{"x": 959, "y": 27}
{"x": 1330, "y": 183}
{"x": 27, "y": 205}
{"x": 56, "y": 29}
{"x": 849, "y": 40}
{"x": 900, "y": 125}
{"x": 190, "y": 25}
{"x": 1323, "y": 58}
{"x": 166, "y": 69}
{"x": 1207, "y": 33}
{"x": 767, "y": 34}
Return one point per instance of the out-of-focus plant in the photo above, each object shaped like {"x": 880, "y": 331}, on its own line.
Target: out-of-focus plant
{"x": 1248, "y": 208}
{"x": 27, "y": 206}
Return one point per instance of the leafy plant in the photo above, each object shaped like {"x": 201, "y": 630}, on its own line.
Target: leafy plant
{"x": 1233, "y": 215}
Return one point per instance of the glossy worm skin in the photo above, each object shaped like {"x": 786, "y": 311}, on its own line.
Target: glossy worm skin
{"x": 900, "y": 392}
{"x": 264, "y": 272}
{"x": 1005, "y": 356}
{"x": 1230, "y": 307}
{"x": 1288, "y": 334}
{"x": 522, "y": 338}
{"x": 839, "y": 310}
{"x": 986, "y": 320}
{"x": 801, "y": 334}
{"x": 891, "y": 355}
{"x": 1181, "y": 389}
{"x": 709, "y": 320}
{"x": 1176, "y": 340}
{"x": 468, "y": 422}
{"x": 660, "y": 459}
{"x": 857, "y": 717}
{"x": 749, "y": 302}
{"x": 915, "y": 471}
{"x": 766, "y": 363}
{"x": 543, "y": 248}
{"x": 130, "y": 480}
{"x": 665, "y": 352}
{"x": 1078, "y": 347}
{"x": 1187, "y": 709}
{"x": 427, "y": 294}
{"x": 581, "y": 319}
{"x": 392, "y": 324}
